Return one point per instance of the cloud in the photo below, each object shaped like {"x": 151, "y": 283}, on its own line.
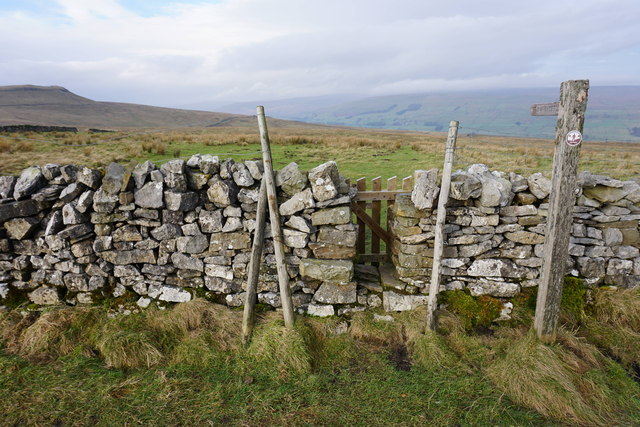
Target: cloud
{"x": 236, "y": 50}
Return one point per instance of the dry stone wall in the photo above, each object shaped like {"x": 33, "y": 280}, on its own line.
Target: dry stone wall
{"x": 157, "y": 235}
{"x": 166, "y": 234}
{"x": 494, "y": 232}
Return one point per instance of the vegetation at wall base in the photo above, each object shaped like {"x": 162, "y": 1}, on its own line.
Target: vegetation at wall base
{"x": 185, "y": 365}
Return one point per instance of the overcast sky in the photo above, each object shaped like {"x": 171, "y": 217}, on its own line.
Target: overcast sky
{"x": 177, "y": 53}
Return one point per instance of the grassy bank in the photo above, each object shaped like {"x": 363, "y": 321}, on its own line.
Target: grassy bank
{"x": 185, "y": 365}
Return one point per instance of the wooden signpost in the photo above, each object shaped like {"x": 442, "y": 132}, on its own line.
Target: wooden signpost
{"x": 434, "y": 287}
{"x": 571, "y": 111}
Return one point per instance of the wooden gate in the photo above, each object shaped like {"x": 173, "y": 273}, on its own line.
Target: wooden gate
{"x": 371, "y": 208}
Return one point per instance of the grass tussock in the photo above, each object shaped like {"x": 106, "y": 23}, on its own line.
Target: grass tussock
{"x": 560, "y": 381}
{"x": 615, "y": 325}
{"x": 278, "y": 351}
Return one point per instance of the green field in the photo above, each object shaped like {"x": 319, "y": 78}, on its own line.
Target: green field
{"x": 185, "y": 365}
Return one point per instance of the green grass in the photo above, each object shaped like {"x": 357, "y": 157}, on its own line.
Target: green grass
{"x": 378, "y": 373}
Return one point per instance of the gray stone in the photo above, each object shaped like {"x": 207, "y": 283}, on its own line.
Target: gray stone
{"x": 299, "y": 223}
{"x": 175, "y": 166}
{"x": 54, "y": 224}
{"x": 241, "y": 175}
{"x": 185, "y": 262}
{"x": 425, "y": 188}
{"x": 196, "y": 180}
{"x": 69, "y": 173}
{"x": 619, "y": 267}
{"x": 494, "y": 288}
{"x": 295, "y": 238}
{"x": 496, "y": 268}
{"x": 210, "y": 221}
{"x": 70, "y": 215}
{"x": 298, "y": 202}
{"x": 21, "y": 228}
{"x": 7, "y": 184}
{"x": 176, "y": 182}
{"x": 141, "y": 172}
{"x": 217, "y": 284}
{"x": 525, "y": 237}
{"x": 337, "y": 271}
{"x": 173, "y": 294}
{"x": 127, "y": 233}
{"x": 255, "y": 168}
{"x": 30, "y": 181}
{"x": 320, "y": 310}
{"x": 625, "y": 252}
{"x": 166, "y": 231}
{"x": 221, "y": 271}
{"x": 324, "y": 181}
{"x": 192, "y": 244}
{"x": 181, "y": 201}
{"x": 136, "y": 256}
{"x": 330, "y": 293}
{"x": 209, "y": 164}
{"x": 149, "y": 195}
{"x": 235, "y": 240}
{"x": 232, "y": 224}
{"x": 339, "y": 215}
{"x": 612, "y": 236}
{"x": 495, "y": 191}
{"x": 591, "y": 267}
{"x": 518, "y": 182}
{"x": 104, "y": 202}
{"x": 18, "y": 209}
{"x": 519, "y": 210}
{"x": 335, "y": 236}
{"x": 392, "y": 301}
{"x": 85, "y": 201}
{"x": 44, "y": 295}
{"x": 113, "y": 179}
{"x": 91, "y": 178}
{"x": 291, "y": 179}
{"x": 222, "y": 193}
{"x": 465, "y": 186}
{"x": 539, "y": 186}
{"x": 235, "y": 300}
{"x": 51, "y": 171}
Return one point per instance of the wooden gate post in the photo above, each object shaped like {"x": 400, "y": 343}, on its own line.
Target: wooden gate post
{"x": 248, "y": 317}
{"x": 274, "y": 216}
{"x": 434, "y": 287}
{"x": 573, "y": 104}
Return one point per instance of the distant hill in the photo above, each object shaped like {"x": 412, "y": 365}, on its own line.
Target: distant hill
{"x": 57, "y": 106}
{"x": 613, "y": 113}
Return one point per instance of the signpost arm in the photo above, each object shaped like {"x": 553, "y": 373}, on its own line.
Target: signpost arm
{"x": 573, "y": 104}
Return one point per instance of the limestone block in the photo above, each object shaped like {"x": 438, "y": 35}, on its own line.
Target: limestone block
{"x": 21, "y": 228}
{"x": 298, "y": 202}
{"x": 291, "y": 179}
{"x": 539, "y": 186}
{"x": 44, "y": 295}
{"x": 465, "y": 186}
{"x": 339, "y": 215}
{"x": 425, "y": 189}
{"x": 336, "y": 271}
{"x": 29, "y": 181}
{"x": 320, "y": 310}
{"x": 330, "y": 293}
{"x": 392, "y": 301}
{"x": 494, "y": 288}
{"x": 324, "y": 180}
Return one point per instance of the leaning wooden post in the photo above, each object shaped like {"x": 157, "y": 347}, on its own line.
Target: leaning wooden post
{"x": 248, "y": 318}
{"x": 573, "y": 104}
{"x": 274, "y": 216}
{"x": 434, "y": 287}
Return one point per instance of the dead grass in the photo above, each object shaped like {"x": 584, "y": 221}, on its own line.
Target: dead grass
{"x": 615, "y": 325}
{"x": 279, "y": 350}
{"x": 565, "y": 381}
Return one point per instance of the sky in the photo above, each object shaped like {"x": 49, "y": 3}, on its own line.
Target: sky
{"x": 206, "y": 53}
